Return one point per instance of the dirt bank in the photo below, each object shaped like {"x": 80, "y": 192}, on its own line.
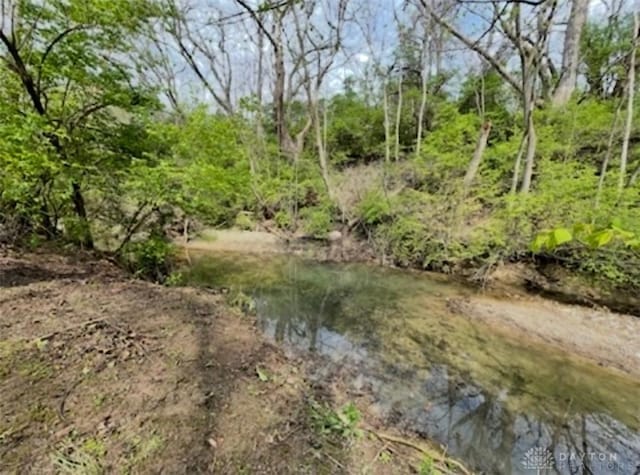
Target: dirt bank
{"x": 100, "y": 373}
{"x": 346, "y": 249}
{"x": 558, "y": 283}
{"x": 610, "y": 339}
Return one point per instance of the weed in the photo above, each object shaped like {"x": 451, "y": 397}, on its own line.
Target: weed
{"x": 86, "y": 459}
{"x": 384, "y": 457}
{"x": 342, "y": 423}
{"x": 143, "y": 449}
{"x": 175, "y": 279}
{"x": 241, "y": 301}
{"x": 41, "y": 413}
{"x": 426, "y": 466}
{"x": 34, "y": 370}
{"x": 99, "y": 400}
{"x": 262, "y": 374}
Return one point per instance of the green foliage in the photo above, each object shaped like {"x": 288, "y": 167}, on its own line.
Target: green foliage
{"x": 77, "y": 457}
{"x": 244, "y": 221}
{"x": 317, "y": 221}
{"x": 90, "y": 154}
{"x": 342, "y": 423}
{"x": 175, "y": 279}
{"x": 212, "y": 168}
{"x": 427, "y": 466}
{"x": 551, "y": 239}
{"x": 374, "y": 208}
{"x": 150, "y": 258}
{"x": 243, "y": 302}
{"x": 488, "y": 93}
{"x": 356, "y": 131}
{"x": 586, "y": 234}
{"x": 603, "y": 45}
{"x": 448, "y": 148}
{"x": 67, "y": 111}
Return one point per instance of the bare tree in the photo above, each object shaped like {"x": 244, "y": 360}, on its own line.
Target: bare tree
{"x": 202, "y": 42}
{"x": 275, "y": 12}
{"x": 608, "y": 153}
{"x": 570, "y": 56}
{"x": 528, "y": 36}
{"x": 317, "y": 54}
{"x": 631, "y": 89}
{"x": 472, "y": 170}
{"x": 396, "y": 149}
{"x": 387, "y": 122}
{"x": 157, "y": 69}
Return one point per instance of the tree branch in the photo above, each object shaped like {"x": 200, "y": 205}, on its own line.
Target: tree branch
{"x": 500, "y": 69}
{"x": 50, "y": 47}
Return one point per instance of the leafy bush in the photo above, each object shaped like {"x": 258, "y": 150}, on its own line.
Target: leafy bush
{"x": 317, "y": 221}
{"x": 150, "y": 258}
{"x": 374, "y": 208}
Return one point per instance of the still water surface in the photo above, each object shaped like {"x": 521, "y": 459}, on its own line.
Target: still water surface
{"x": 500, "y": 404}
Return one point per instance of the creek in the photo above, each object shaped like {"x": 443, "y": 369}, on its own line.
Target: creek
{"x": 499, "y": 403}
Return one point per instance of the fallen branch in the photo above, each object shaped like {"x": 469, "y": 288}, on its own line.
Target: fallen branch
{"x": 441, "y": 459}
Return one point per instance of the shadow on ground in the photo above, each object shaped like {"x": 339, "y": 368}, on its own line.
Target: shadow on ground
{"x": 100, "y": 374}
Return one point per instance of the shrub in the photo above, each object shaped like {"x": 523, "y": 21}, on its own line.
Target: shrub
{"x": 150, "y": 258}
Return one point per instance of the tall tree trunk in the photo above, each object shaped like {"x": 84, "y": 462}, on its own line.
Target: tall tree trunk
{"x": 516, "y": 168}
{"x": 570, "y": 56}
{"x": 423, "y": 102}
{"x": 631, "y": 89}
{"x": 607, "y": 156}
{"x": 528, "y": 106}
{"x": 398, "y": 120}
{"x": 387, "y": 123}
{"x": 322, "y": 151}
{"x": 284, "y": 140}
{"x": 532, "y": 141}
{"x": 260, "y": 86}
{"x": 472, "y": 170}
{"x": 423, "y": 105}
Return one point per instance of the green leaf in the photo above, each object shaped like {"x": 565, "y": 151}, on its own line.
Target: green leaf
{"x": 582, "y": 229}
{"x": 601, "y": 238}
{"x": 560, "y": 236}
{"x": 262, "y": 374}
{"x": 540, "y": 241}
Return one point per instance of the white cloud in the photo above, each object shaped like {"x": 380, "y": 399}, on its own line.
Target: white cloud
{"x": 362, "y": 58}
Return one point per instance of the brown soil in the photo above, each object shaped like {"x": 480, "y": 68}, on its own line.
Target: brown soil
{"x": 101, "y": 373}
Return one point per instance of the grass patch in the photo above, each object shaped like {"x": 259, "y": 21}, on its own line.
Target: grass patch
{"x": 80, "y": 457}
{"x": 142, "y": 450}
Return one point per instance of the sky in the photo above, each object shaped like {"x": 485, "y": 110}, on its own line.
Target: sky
{"x": 369, "y": 40}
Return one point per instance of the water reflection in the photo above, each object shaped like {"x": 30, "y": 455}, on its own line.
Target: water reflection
{"x": 501, "y": 406}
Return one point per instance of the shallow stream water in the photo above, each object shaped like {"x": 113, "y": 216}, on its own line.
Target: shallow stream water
{"x": 499, "y": 403}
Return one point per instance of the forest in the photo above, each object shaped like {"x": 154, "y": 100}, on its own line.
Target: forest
{"x": 485, "y": 152}
{"x": 446, "y": 134}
